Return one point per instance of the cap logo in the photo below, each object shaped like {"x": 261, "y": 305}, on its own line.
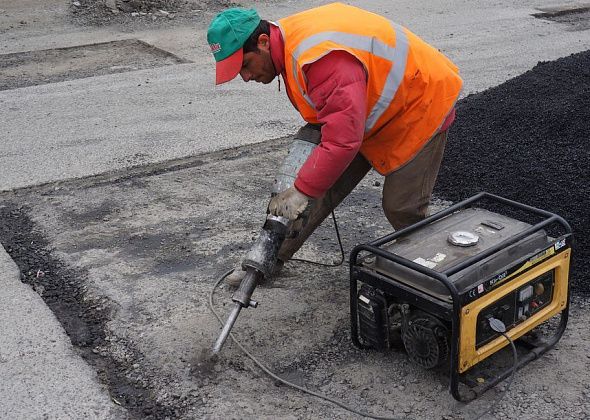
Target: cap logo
{"x": 215, "y": 48}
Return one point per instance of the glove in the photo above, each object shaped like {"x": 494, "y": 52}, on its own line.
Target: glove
{"x": 289, "y": 203}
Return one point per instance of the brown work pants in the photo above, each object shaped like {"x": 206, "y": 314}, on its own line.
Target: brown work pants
{"x": 406, "y": 192}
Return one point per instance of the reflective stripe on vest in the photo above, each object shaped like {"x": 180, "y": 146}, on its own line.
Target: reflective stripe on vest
{"x": 396, "y": 55}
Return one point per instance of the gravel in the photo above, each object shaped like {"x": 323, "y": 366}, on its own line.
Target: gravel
{"x": 146, "y": 12}
{"x": 528, "y": 139}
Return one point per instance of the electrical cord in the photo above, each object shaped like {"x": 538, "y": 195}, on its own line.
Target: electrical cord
{"x": 500, "y": 328}
{"x": 339, "y": 263}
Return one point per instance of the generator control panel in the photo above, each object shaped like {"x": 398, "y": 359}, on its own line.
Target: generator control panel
{"x": 516, "y": 307}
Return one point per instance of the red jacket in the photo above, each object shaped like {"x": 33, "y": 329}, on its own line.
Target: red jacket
{"x": 337, "y": 86}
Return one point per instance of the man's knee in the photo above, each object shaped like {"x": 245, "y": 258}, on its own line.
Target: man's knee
{"x": 403, "y": 214}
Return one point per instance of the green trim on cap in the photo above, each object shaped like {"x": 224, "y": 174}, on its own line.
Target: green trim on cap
{"x": 230, "y": 29}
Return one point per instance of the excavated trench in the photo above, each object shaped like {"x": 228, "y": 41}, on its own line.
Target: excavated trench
{"x": 84, "y": 318}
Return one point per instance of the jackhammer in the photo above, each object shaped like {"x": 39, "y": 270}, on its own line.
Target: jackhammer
{"x": 258, "y": 265}
{"x": 260, "y": 260}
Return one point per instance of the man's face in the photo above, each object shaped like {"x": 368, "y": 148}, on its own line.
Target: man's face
{"x": 258, "y": 65}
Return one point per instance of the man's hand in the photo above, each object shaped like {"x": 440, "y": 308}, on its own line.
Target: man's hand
{"x": 290, "y": 204}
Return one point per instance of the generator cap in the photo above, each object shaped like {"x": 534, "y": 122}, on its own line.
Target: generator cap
{"x": 463, "y": 238}
{"x": 226, "y": 36}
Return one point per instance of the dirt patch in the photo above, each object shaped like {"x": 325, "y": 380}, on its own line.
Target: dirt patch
{"x": 577, "y": 21}
{"x": 59, "y": 64}
{"x": 577, "y": 17}
{"x": 141, "y": 12}
{"x": 528, "y": 139}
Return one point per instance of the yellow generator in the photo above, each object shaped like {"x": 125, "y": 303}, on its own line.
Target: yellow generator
{"x": 457, "y": 287}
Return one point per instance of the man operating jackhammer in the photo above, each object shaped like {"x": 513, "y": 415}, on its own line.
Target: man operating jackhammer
{"x": 373, "y": 94}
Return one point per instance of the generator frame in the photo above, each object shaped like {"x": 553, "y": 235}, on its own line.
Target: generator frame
{"x": 450, "y": 310}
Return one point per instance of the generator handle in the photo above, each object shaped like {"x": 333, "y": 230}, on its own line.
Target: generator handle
{"x": 531, "y": 209}
{"x": 468, "y": 202}
{"x": 551, "y": 218}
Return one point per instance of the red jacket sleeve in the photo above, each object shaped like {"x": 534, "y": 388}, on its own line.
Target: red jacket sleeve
{"x": 337, "y": 86}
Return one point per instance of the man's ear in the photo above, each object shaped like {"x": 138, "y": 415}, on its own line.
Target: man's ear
{"x": 263, "y": 42}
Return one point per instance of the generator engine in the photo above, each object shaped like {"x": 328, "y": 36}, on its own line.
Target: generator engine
{"x": 433, "y": 288}
{"x": 385, "y": 324}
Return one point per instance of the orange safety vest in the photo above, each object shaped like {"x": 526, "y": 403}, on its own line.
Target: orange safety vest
{"x": 411, "y": 86}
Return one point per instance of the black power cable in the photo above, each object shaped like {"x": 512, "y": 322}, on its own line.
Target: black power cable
{"x": 339, "y": 263}
{"x": 500, "y": 328}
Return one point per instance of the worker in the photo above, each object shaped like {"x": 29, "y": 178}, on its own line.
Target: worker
{"x": 373, "y": 94}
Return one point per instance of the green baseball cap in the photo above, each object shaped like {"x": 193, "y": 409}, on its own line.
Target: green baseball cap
{"x": 226, "y": 36}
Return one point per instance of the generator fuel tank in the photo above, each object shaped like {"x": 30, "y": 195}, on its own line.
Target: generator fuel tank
{"x": 452, "y": 240}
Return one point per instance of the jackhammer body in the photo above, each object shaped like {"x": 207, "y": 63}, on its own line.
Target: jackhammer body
{"x": 261, "y": 258}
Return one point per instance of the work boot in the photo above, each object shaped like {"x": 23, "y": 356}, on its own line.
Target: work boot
{"x": 236, "y": 277}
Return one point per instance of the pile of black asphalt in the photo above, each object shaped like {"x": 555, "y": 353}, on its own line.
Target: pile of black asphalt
{"x": 528, "y": 140}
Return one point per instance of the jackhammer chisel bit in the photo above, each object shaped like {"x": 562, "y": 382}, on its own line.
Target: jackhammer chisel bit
{"x": 258, "y": 264}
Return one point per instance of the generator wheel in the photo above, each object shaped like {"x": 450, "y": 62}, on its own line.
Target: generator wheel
{"x": 426, "y": 341}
